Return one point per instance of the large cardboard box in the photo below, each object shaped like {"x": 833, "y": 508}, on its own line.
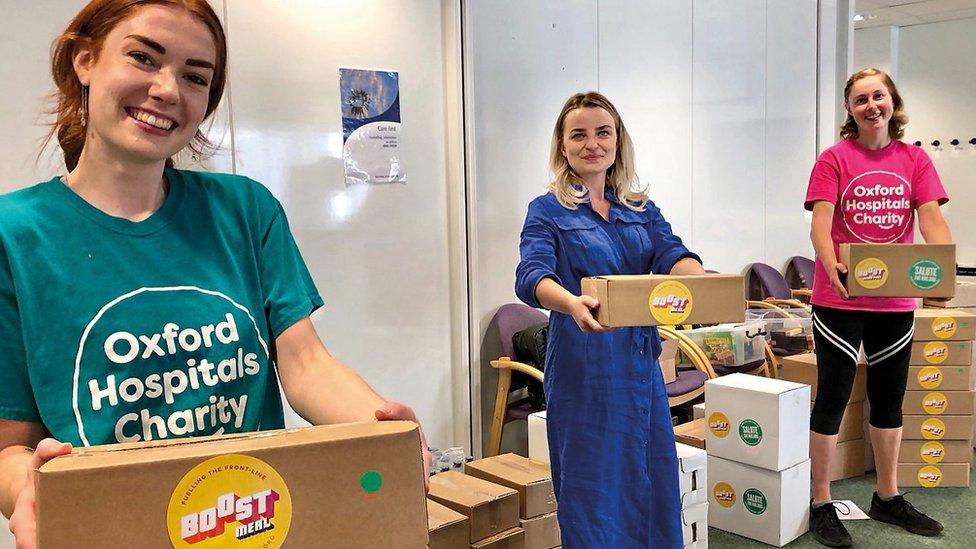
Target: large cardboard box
{"x": 691, "y": 433}
{"x": 767, "y": 506}
{"x": 756, "y": 420}
{"x": 939, "y": 403}
{"x": 667, "y": 360}
{"x": 803, "y": 369}
{"x": 652, "y": 300}
{"x": 541, "y": 532}
{"x": 694, "y": 525}
{"x": 509, "y": 539}
{"x": 530, "y": 478}
{"x": 848, "y": 460}
{"x": 935, "y": 451}
{"x": 942, "y": 378}
{"x": 926, "y": 475}
{"x": 899, "y": 270}
{"x": 944, "y": 325}
{"x": 490, "y": 507}
{"x": 941, "y": 353}
{"x": 692, "y": 479}
{"x": 919, "y": 427}
{"x": 446, "y": 528}
{"x": 269, "y": 488}
{"x": 965, "y": 296}
{"x": 538, "y": 437}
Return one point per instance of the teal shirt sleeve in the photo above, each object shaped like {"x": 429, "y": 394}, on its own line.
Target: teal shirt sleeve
{"x": 16, "y": 396}
{"x": 289, "y": 292}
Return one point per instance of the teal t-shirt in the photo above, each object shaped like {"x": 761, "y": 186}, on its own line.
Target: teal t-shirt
{"x": 117, "y": 331}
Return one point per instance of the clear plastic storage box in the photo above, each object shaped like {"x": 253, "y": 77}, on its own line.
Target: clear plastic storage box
{"x": 731, "y": 344}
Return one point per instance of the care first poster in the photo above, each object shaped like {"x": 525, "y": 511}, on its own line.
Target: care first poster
{"x": 370, "y": 103}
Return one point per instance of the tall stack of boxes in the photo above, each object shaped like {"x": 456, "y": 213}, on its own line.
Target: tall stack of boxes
{"x": 851, "y": 450}
{"x": 938, "y": 410}
{"x": 758, "y": 457}
{"x": 693, "y": 481}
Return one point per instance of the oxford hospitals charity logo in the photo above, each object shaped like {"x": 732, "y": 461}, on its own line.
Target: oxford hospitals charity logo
{"x": 877, "y": 206}
{"x": 166, "y": 362}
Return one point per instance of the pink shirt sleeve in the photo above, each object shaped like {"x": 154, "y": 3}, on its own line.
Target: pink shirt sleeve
{"x": 926, "y": 183}
{"x": 824, "y": 181}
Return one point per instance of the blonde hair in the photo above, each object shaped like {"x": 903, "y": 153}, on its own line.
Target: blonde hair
{"x": 899, "y": 119}
{"x": 568, "y": 187}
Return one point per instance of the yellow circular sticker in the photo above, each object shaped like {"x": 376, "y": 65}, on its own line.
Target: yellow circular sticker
{"x": 935, "y": 352}
{"x": 718, "y": 424}
{"x": 930, "y": 377}
{"x": 230, "y": 501}
{"x": 944, "y": 327}
{"x": 935, "y": 403}
{"x": 871, "y": 273}
{"x": 933, "y": 429}
{"x": 724, "y": 494}
{"x": 670, "y": 302}
{"x": 929, "y": 476}
{"x": 932, "y": 452}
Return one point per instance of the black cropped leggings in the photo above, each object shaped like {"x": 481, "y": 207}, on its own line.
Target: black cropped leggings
{"x": 887, "y": 340}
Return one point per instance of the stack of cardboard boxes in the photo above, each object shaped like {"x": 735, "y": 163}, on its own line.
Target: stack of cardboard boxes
{"x": 693, "y": 481}
{"x": 938, "y": 410}
{"x": 851, "y": 450}
{"x": 758, "y": 457}
{"x": 507, "y": 502}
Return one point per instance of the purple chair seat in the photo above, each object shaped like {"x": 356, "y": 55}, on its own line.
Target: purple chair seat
{"x": 687, "y": 381}
{"x": 685, "y": 366}
{"x": 741, "y": 369}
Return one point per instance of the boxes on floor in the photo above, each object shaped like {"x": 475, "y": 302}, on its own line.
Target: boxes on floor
{"x": 692, "y": 478}
{"x": 899, "y": 270}
{"x": 944, "y": 325}
{"x": 939, "y": 403}
{"x": 935, "y": 451}
{"x": 538, "y": 441}
{"x": 691, "y": 433}
{"x": 269, "y": 488}
{"x": 509, "y": 539}
{"x": 768, "y": 506}
{"x": 541, "y": 532}
{"x": 491, "y": 508}
{"x": 652, "y": 300}
{"x": 756, "y": 420}
{"x": 941, "y": 353}
{"x": 943, "y": 378}
{"x": 933, "y": 475}
{"x": 446, "y": 528}
{"x": 803, "y": 369}
{"x": 694, "y": 526}
{"x": 848, "y": 460}
{"x": 918, "y": 427}
{"x": 531, "y": 478}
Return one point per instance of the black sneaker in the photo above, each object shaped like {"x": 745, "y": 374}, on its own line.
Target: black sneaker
{"x": 899, "y": 512}
{"x": 827, "y": 527}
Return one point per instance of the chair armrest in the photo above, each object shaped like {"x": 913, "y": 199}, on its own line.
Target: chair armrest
{"x": 507, "y": 363}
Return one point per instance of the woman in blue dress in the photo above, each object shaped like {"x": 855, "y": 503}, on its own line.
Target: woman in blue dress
{"x": 611, "y": 444}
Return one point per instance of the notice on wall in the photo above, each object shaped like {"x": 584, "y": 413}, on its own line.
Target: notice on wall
{"x": 370, "y": 103}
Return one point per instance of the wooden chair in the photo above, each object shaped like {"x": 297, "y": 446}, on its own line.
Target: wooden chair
{"x": 690, "y": 384}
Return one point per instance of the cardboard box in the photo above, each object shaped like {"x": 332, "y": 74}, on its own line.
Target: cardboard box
{"x": 541, "y": 532}
{"x": 531, "y": 479}
{"x": 925, "y": 475}
{"x": 269, "y": 487}
{"x": 691, "y": 433}
{"x": 698, "y": 411}
{"x": 941, "y": 353}
{"x": 899, "y": 270}
{"x": 944, "y": 324}
{"x": 965, "y": 296}
{"x": 942, "y": 378}
{"x": 490, "y": 507}
{"x": 937, "y": 427}
{"x": 935, "y": 451}
{"x": 667, "y": 359}
{"x": 848, "y": 460}
{"x": 803, "y": 369}
{"x": 691, "y": 475}
{"x": 756, "y": 420}
{"x": 538, "y": 438}
{"x": 939, "y": 403}
{"x": 652, "y": 300}
{"x": 694, "y": 525}
{"x": 446, "y": 528}
{"x": 767, "y": 506}
{"x": 509, "y": 539}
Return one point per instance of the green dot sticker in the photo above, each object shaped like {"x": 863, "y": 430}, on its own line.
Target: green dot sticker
{"x": 371, "y": 481}
{"x": 750, "y": 432}
{"x": 755, "y": 501}
{"x": 925, "y": 274}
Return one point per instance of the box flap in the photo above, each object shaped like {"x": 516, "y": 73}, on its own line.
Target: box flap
{"x": 755, "y": 383}
{"x": 520, "y": 470}
{"x": 466, "y": 490}
{"x": 439, "y": 516}
{"x": 936, "y": 313}
{"x": 690, "y": 458}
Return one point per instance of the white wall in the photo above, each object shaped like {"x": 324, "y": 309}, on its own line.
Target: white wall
{"x": 877, "y": 47}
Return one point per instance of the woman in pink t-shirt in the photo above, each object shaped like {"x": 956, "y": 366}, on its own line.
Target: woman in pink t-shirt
{"x": 868, "y": 187}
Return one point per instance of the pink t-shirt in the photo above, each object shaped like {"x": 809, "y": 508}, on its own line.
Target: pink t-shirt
{"x": 875, "y": 195}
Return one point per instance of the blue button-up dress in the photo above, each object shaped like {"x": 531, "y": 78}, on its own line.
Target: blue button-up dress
{"x": 611, "y": 444}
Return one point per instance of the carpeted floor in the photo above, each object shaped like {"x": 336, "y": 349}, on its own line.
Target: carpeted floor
{"x": 954, "y": 507}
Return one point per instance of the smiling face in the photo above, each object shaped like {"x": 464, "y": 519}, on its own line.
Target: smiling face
{"x": 149, "y": 84}
{"x": 589, "y": 141}
{"x": 870, "y": 104}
